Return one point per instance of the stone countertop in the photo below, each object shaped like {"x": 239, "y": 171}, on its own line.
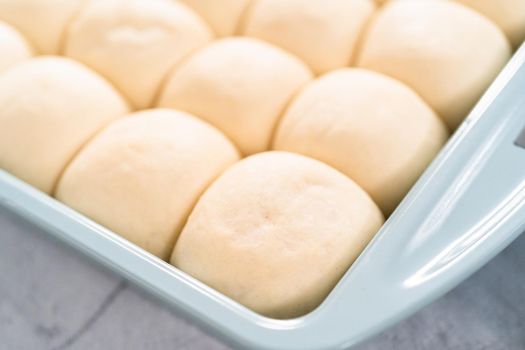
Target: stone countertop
{"x": 52, "y": 297}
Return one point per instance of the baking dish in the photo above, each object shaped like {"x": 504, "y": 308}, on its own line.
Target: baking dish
{"x": 468, "y": 206}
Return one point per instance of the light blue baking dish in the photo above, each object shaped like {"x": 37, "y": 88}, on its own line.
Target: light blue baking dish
{"x": 465, "y": 209}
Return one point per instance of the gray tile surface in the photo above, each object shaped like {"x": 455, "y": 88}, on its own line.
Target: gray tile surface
{"x": 53, "y": 298}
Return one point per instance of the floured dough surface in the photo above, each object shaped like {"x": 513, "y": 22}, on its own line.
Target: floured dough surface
{"x": 323, "y": 33}
{"x": 42, "y": 22}
{"x": 135, "y": 43}
{"x": 371, "y": 127}
{"x": 141, "y": 175}
{"x": 50, "y": 107}
{"x": 448, "y": 53}
{"x": 239, "y": 85}
{"x": 223, "y": 16}
{"x": 276, "y": 232}
{"x": 14, "y": 47}
{"x": 509, "y": 15}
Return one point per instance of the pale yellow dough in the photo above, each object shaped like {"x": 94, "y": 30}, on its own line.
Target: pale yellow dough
{"x": 223, "y": 16}
{"x": 42, "y": 22}
{"x": 135, "y": 43}
{"x": 141, "y": 176}
{"x": 240, "y": 85}
{"x": 50, "y": 107}
{"x": 446, "y": 52}
{"x": 509, "y": 15}
{"x": 13, "y": 47}
{"x": 276, "y": 232}
{"x": 369, "y": 126}
{"x": 323, "y": 33}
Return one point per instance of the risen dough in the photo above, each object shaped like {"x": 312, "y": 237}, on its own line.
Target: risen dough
{"x": 135, "y": 43}
{"x": 509, "y": 15}
{"x": 43, "y": 22}
{"x": 141, "y": 176}
{"x": 276, "y": 232}
{"x": 446, "y": 52}
{"x": 371, "y": 127}
{"x": 324, "y": 33}
{"x": 13, "y": 47}
{"x": 223, "y": 16}
{"x": 49, "y": 107}
{"x": 240, "y": 85}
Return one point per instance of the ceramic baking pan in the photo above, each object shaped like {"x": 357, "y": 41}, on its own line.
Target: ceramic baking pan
{"x": 467, "y": 207}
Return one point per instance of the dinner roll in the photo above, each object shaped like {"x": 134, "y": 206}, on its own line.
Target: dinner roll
{"x": 240, "y": 85}
{"x": 135, "y": 43}
{"x": 509, "y": 15}
{"x": 223, "y": 16}
{"x": 323, "y": 33}
{"x": 446, "y": 52}
{"x": 13, "y": 47}
{"x": 141, "y": 176}
{"x": 42, "y": 22}
{"x": 50, "y": 107}
{"x": 368, "y": 126}
{"x": 276, "y": 232}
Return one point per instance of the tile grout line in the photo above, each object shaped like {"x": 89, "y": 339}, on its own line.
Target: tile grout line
{"x": 108, "y": 300}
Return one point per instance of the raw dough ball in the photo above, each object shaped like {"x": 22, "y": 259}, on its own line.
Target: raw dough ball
{"x": 135, "y": 43}
{"x": 509, "y": 15}
{"x": 370, "y": 127}
{"x": 13, "y": 47}
{"x": 50, "y": 107}
{"x": 141, "y": 176}
{"x": 223, "y": 16}
{"x": 240, "y": 85}
{"x": 276, "y": 232}
{"x": 323, "y": 33}
{"x": 446, "y": 52}
{"x": 43, "y": 22}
